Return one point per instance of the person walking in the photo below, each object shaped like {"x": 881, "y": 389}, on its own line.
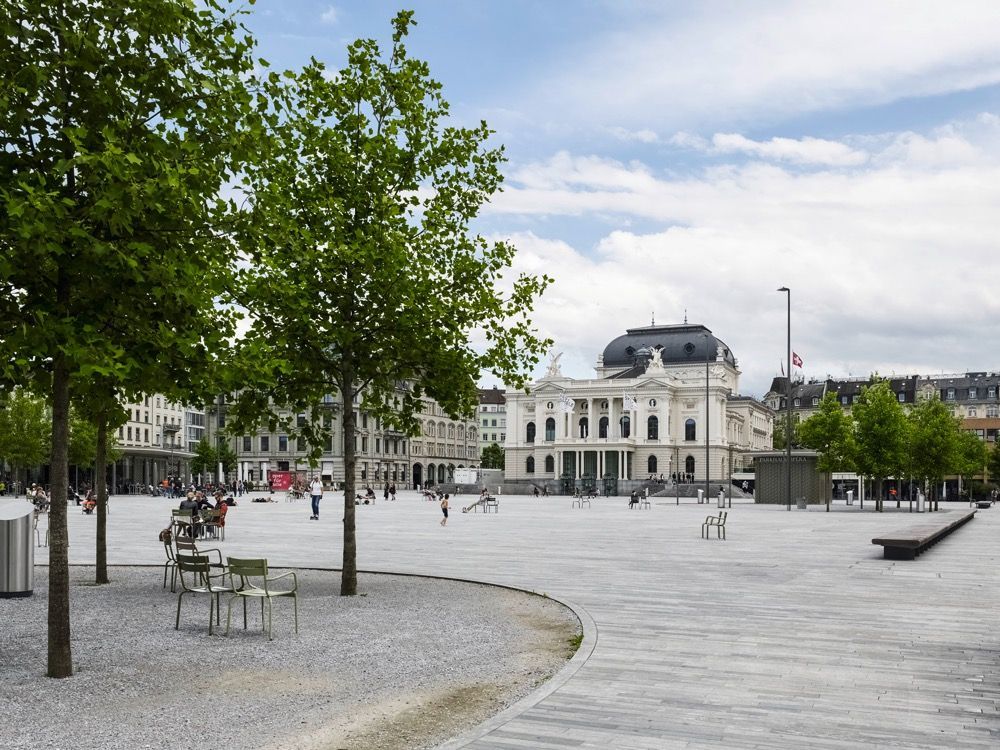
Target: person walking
{"x": 444, "y": 510}
{"x": 316, "y": 491}
{"x": 385, "y": 492}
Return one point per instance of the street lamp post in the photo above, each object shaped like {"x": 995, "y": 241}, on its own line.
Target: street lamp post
{"x": 788, "y": 401}
{"x": 708, "y": 493}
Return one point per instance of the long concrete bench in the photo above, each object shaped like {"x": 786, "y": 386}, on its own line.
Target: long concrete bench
{"x": 907, "y": 543}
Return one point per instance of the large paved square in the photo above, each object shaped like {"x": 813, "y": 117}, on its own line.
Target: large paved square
{"x": 794, "y": 633}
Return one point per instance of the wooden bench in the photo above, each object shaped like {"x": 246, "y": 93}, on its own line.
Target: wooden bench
{"x": 907, "y": 543}
{"x": 718, "y": 523}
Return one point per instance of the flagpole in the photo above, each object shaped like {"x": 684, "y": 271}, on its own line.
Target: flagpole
{"x": 788, "y": 403}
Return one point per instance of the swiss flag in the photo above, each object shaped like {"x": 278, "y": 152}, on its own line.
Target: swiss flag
{"x": 796, "y": 360}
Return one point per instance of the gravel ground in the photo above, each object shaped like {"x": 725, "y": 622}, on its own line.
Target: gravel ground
{"x": 408, "y": 663}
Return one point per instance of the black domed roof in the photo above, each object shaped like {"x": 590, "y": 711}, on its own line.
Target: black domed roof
{"x": 678, "y": 344}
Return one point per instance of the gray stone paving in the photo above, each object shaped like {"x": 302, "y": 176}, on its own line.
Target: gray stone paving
{"x": 795, "y": 633}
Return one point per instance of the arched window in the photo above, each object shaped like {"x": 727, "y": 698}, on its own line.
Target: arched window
{"x": 651, "y": 465}
{"x": 584, "y": 427}
{"x": 550, "y": 429}
{"x": 550, "y": 465}
{"x": 626, "y": 425}
{"x": 653, "y": 428}
{"x": 689, "y": 464}
{"x": 441, "y": 430}
{"x": 689, "y": 430}
{"x": 529, "y": 465}
{"x": 602, "y": 427}
{"x": 529, "y": 433}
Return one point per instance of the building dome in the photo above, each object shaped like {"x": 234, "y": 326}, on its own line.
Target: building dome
{"x": 679, "y": 344}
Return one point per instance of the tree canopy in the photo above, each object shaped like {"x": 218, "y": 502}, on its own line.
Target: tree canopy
{"x": 366, "y": 284}
{"x": 121, "y": 123}
{"x": 830, "y": 432}
{"x": 493, "y": 457}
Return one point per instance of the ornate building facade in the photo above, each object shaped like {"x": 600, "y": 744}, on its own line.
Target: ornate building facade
{"x": 643, "y": 414}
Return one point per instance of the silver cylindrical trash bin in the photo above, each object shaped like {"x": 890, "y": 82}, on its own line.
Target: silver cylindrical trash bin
{"x": 920, "y": 502}
{"x": 17, "y": 553}
{"x": 722, "y": 499}
{"x": 850, "y": 497}
{"x": 701, "y": 496}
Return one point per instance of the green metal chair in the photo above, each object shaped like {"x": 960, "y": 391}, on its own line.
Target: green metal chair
{"x": 170, "y": 566}
{"x": 254, "y": 583}
{"x": 196, "y": 577}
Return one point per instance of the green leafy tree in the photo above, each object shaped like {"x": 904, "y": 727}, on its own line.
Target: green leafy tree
{"x": 204, "y": 460}
{"x": 933, "y": 437}
{"x": 830, "y": 432}
{"x": 493, "y": 457}
{"x": 225, "y": 455}
{"x": 121, "y": 124}
{"x": 82, "y": 440}
{"x": 365, "y": 282}
{"x": 781, "y": 427}
{"x": 993, "y": 463}
{"x": 970, "y": 456}
{"x": 882, "y": 435}
{"x": 25, "y": 432}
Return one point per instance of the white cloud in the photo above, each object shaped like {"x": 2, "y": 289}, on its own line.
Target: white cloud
{"x": 711, "y": 63}
{"x": 890, "y": 262}
{"x": 642, "y": 136}
{"x": 800, "y": 151}
{"x": 330, "y": 15}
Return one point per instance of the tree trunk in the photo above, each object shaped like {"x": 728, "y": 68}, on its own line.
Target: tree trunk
{"x": 349, "y": 573}
{"x": 60, "y": 661}
{"x": 101, "y": 487}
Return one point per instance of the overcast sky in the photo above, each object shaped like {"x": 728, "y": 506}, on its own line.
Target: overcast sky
{"x": 696, "y": 156}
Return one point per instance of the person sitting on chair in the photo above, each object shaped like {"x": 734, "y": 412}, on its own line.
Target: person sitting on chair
{"x": 633, "y": 499}
{"x": 90, "y": 503}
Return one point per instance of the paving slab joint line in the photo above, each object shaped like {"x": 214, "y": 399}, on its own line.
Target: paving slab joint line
{"x": 536, "y": 696}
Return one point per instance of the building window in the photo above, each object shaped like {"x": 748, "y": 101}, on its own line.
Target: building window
{"x": 493, "y": 423}
{"x": 378, "y": 445}
{"x": 950, "y": 395}
{"x": 529, "y": 433}
{"x": 247, "y": 443}
{"x": 652, "y": 403}
{"x": 689, "y": 431}
{"x": 364, "y": 444}
{"x": 300, "y": 445}
{"x": 129, "y": 433}
{"x": 265, "y": 443}
{"x": 653, "y": 428}
{"x": 689, "y": 465}
{"x": 992, "y": 411}
{"x": 844, "y": 400}
{"x": 550, "y": 429}
{"x": 972, "y": 394}
{"x": 529, "y": 465}
{"x": 651, "y": 465}
{"x": 902, "y": 397}
{"x": 604, "y": 404}
{"x": 602, "y": 427}
{"x": 282, "y": 443}
{"x": 145, "y": 434}
{"x": 796, "y": 403}
{"x": 485, "y": 423}
{"x": 550, "y": 465}
{"x": 815, "y": 401}
{"x": 549, "y": 405}
{"x": 364, "y": 420}
{"x": 991, "y": 392}
{"x": 584, "y": 427}
{"x": 972, "y": 411}
{"x": 626, "y": 425}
